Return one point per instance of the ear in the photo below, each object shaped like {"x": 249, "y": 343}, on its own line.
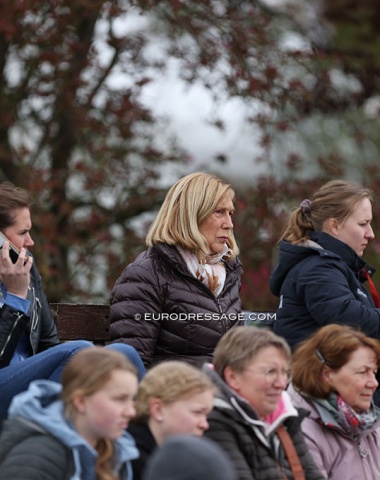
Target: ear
{"x": 232, "y": 378}
{"x": 332, "y": 227}
{"x": 156, "y": 409}
{"x": 79, "y": 402}
{"x": 326, "y": 374}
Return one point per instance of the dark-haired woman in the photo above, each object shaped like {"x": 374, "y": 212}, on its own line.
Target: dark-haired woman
{"x": 29, "y": 345}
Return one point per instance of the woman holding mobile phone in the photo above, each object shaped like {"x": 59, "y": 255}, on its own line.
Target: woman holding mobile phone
{"x": 29, "y": 345}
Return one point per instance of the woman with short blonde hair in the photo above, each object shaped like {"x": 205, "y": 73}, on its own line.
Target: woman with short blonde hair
{"x": 190, "y": 201}
{"x": 178, "y": 297}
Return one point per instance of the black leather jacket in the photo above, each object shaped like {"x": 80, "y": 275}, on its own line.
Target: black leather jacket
{"x": 40, "y": 325}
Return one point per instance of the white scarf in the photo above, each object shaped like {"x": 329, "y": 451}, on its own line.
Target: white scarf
{"x": 212, "y": 272}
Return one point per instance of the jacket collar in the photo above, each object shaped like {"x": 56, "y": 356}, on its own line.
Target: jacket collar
{"x": 323, "y": 416}
{"x": 338, "y": 248}
{"x": 227, "y": 399}
{"x": 172, "y": 255}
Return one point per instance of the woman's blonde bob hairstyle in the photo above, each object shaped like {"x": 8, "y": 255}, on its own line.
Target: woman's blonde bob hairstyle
{"x": 331, "y": 346}
{"x": 169, "y": 381}
{"x": 187, "y": 204}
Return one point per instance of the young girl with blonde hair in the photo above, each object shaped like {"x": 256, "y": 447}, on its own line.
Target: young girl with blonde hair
{"x": 174, "y": 398}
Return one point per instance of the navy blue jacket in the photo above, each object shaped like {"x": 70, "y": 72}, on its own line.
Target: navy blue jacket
{"x": 319, "y": 284}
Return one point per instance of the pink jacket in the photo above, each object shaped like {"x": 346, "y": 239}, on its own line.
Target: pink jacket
{"x": 338, "y": 455}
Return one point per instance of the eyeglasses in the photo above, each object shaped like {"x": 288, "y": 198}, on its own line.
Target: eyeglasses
{"x": 271, "y": 374}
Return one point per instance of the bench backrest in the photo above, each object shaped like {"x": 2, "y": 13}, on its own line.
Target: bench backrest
{"x": 81, "y": 321}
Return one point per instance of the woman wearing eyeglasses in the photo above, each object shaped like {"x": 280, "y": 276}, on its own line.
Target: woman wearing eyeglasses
{"x": 334, "y": 377}
{"x": 253, "y": 419}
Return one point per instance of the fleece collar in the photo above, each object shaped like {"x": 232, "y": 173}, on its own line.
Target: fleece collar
{"x": 227, "y": 399}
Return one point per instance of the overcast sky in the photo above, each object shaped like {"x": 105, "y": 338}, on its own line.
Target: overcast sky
{"x": 190, "y": 111}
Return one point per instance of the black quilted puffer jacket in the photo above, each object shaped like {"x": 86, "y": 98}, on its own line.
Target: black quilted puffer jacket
{"x": 159, "y": 308}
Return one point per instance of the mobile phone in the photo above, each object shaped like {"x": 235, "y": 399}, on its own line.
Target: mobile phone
{"x": 14, "y": 252}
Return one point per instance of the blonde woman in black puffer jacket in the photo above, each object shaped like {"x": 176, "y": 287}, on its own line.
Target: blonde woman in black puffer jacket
{"x": 178, "y": 298}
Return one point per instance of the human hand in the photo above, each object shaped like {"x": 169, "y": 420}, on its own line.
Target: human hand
{"x": 15, "y": 276}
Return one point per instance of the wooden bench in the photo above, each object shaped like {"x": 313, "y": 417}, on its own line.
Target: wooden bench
{"x": 80, "y": 321}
